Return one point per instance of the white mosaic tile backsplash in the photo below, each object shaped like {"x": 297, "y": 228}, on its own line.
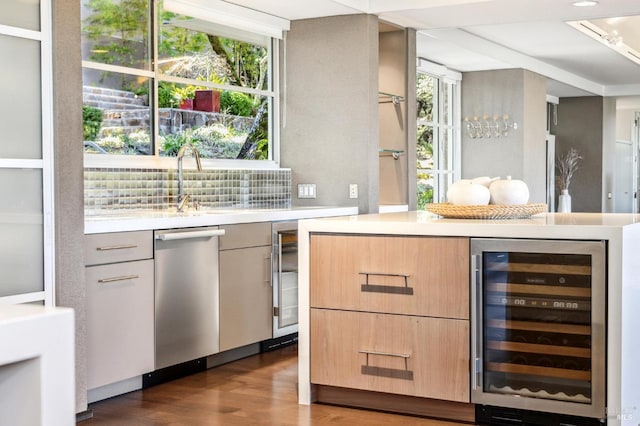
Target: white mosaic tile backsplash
{"x": 107, "y": 189}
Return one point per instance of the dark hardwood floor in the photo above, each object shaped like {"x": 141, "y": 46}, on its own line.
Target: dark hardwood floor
{"x": 259, "y": 390}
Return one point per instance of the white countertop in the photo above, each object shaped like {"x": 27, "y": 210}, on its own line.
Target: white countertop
{"x": 37, "y": 369}
{"x": 544, "y": 225}
{"x": 140, "y": 220}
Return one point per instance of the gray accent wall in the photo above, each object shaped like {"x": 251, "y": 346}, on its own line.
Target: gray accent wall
{"x": 522, "y": 153}
{"x": 581, "y": 126}
{"x": 609, "y": 125}
{"x": 329, "y": 122}
{"x": 68, "y": 180}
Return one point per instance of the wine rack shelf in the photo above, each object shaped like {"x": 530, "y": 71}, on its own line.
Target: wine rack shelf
{"x": 537, "y": 324}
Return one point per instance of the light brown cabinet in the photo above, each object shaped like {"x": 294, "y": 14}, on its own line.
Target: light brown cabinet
{"x": 402, "y": 354}
{"x": 120, "y": 334}
{"x": 390, "y": 314}
{"x": 246, "y": 298}
{"x": 401, "y": 275}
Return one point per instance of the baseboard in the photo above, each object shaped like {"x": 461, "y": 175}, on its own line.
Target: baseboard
{"x": 232, "y": 355}
{"x": 114, "y": 389}
{"x": 84, "y": 415}
{"x": 402, "y": 404}
{"x": 502, "y": 416}
{"x": 278, "y": 342}
{"x": 174, "y": 372}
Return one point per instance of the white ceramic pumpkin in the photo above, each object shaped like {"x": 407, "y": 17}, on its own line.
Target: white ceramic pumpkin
{"x": 484, "y": 180}
{"x": 467, "y": 193}
{"x": 509, "y": 192}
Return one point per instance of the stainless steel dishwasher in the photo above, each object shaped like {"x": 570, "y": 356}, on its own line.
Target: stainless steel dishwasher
{"x": 186, "y": 295}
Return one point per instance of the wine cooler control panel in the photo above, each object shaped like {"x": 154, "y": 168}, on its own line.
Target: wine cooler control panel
{"x": 538, "y": 331}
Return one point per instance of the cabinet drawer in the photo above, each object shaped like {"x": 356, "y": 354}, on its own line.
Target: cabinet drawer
{"x": 120, "y": 332}
{"x": 417, "y": 356}
{"x": 114, "y": 247}
{"x": 245, "y": 235}
{"x": 403, "y": 275}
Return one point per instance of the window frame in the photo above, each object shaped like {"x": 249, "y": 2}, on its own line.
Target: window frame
{"x": 45, "y": 164}
{"x": 154, "y": 160}
{"x": 444, "y": 131}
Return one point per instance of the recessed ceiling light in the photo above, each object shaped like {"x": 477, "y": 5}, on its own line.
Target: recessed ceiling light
{"x": 585, "y": 3}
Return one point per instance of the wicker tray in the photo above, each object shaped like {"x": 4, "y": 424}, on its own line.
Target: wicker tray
{"x": 491, "y": 211}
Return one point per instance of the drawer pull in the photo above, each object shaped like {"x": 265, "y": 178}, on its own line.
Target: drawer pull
{"x": 392, "y": 373}
{"x": 121, "y": 247}
{"x": 389, "y": 289}
{"x": 114, "y": 279}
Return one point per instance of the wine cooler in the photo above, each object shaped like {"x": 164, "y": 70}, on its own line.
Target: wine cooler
{"x": 538, "y": 339}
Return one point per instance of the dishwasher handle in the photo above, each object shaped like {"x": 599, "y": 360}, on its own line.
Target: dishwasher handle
{"x": 169, "y": 236}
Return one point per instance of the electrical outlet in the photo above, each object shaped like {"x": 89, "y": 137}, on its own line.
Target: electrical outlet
{"x": 306, "y": 190}
{"x": 353, "y": 190}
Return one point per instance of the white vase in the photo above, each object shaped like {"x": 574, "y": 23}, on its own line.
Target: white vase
{"x": 564, "y": 202}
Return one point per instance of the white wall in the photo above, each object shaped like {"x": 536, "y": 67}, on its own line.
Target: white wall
{"x": 522, "y": 154}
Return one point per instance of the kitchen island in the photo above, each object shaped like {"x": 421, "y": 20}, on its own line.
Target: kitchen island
{"x": 444, "y": 318}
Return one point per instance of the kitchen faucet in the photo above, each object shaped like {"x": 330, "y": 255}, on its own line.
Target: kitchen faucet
{"x": 182, "y": 198}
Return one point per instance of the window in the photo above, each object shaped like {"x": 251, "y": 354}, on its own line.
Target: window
{"x": 155, "y": 79}
{"x": 438, "y": 132}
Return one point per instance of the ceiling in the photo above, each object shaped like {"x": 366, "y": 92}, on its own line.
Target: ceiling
{"x": 473, "y": 35}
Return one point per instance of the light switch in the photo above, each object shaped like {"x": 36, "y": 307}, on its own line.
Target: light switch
{"x": 306, "y": 190}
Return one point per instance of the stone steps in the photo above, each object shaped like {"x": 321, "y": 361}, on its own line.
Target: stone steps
{"x": 126, "y": 120}
{"x": 112, "y": 99}
{"x": 109, "y": 130}
{"x": 89, "y": 90}
{"x": 124, "y": 113}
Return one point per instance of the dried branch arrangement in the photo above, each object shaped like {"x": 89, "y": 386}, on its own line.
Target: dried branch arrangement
{"x": 567, "y": 165}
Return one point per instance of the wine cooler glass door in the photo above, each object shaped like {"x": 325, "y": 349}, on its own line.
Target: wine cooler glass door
{"x": 539, "y": 325}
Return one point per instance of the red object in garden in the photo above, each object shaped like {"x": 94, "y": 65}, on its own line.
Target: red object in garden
{"x": 207, "y": 100}
{"x": 186, "y": 104}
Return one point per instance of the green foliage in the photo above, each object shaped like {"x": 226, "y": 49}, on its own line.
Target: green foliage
{"x": 425, "y": 195}
{"x": 117, "y": 27}
{"x": 262, "y": 150}
{"x": 246, "y": 63}
{"x": 173, "y": 142}
{"x": 425, "y": 142}
{"x": 249, "y": 62}
{"x": 176, "y": 40}
{"x": 212, "y": 141}
{"x": 236, "y": 103}
{"x": 165, "y": 95}
{"x": 118, "y": 31}
{"x": 424, "y": 146}
{"x": 140, "y": 90}
{"x": 261, "y": 134}
{"x": 118, "y": 142}
{"x": 91, "y": 122}
{"x": 424, "y": 95}
{"x": 180, "y": 93}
